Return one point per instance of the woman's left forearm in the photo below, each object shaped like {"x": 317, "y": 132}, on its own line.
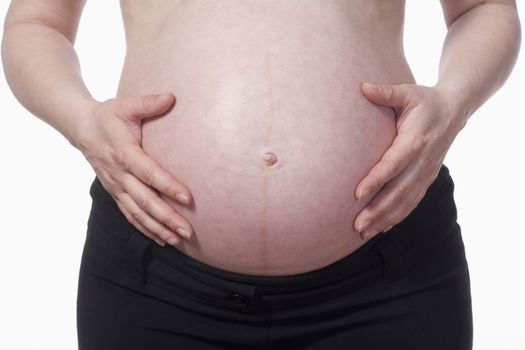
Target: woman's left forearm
{"x": 479, "y": 53}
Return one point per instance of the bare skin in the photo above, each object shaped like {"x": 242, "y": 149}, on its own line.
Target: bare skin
{"x": 266, "y": 127}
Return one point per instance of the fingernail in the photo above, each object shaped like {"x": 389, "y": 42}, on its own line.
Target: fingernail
{"x": 362, "y": 193}
{"x": 173, "y": 241}
{"x": 183, "y": 232}
{"x": 369, "y": 86}
{"x": 364, "y": 225}
{"x": 163, "y": 96}
{"x": 160, "y": 242}
{"x": 182, "y": 198}
{"x": 370, "y": 233}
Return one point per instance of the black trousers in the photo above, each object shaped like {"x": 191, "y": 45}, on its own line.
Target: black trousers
{"x": 405, "y": 289}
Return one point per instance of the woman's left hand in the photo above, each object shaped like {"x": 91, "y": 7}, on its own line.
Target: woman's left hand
{"x": 426, "y": 127}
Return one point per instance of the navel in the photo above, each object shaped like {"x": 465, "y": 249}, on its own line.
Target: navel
{"x": 270, "y": 159}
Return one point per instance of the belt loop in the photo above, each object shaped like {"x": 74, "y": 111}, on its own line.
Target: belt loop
{"x": 392, "y": 253}
{"x": 134, "y": 256}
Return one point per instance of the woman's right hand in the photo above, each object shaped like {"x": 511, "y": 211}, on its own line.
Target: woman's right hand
{"x": 110, "y": 139}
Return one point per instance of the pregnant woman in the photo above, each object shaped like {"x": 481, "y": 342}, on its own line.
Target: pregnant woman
{"x": 251, "y": 190}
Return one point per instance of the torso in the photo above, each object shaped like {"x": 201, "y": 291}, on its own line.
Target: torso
{"x": 274, "y": 77}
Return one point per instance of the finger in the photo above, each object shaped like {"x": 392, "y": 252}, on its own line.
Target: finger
{"x": 386, "y": 94}
{"x": 399, "y": 195}
{"x": 150, "y": 202}
{"x": 397, "y": 213}
{"x": 394, "y": 160}
{"x": 152, "y": 174}
{"x": 140, "y": 218}
{"x": 138, "y": 225}
{"x": 412, "y": 200}
{"x": 388, "y": 228}
{"x": 138, "y": 108}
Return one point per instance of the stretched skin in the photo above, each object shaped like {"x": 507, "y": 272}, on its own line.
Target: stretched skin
{"x": 270, "y": 131}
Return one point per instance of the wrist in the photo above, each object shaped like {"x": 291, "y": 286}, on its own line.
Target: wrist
{"x": 78, "y": 128}
{"x": 455, "y": 104}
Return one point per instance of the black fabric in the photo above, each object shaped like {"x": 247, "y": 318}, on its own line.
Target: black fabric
{"x": 405, "y": 289}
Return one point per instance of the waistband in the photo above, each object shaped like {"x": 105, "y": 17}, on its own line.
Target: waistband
{"x": 386, "y": 254}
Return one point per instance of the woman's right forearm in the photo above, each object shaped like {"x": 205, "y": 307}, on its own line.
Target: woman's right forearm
{"x": 43, "y": 72}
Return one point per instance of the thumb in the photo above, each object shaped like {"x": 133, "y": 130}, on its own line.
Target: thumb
{"x": 141, "y": 107}
{"x": 386, "y": 94}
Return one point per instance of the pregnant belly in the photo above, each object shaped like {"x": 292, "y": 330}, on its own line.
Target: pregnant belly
{"x": 271, "y": 140}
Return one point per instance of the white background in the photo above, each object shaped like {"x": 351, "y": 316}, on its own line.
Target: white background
{"x": 44, "y": 186}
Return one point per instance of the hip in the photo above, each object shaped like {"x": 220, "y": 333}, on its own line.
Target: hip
{"x": 400, "y": 289}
